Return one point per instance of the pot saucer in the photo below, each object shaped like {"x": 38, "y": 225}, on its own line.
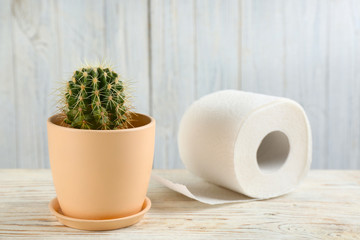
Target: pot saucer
{"x": 107, "y": 224}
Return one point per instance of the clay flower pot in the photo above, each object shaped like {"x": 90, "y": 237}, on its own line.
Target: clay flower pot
{"x": 101, "y": 174}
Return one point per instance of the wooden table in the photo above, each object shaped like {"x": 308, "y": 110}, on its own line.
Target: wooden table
{"x": 325, "y": 206}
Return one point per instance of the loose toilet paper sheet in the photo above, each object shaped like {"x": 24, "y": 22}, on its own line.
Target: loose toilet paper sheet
{"x": 239, "y": 146}
{"x": 200, "y": 190}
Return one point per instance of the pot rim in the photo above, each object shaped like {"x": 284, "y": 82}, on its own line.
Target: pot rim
{"x": 148, "y": 125}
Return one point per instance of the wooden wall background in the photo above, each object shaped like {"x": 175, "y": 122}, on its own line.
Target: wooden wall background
{"x": 178, "y": 51}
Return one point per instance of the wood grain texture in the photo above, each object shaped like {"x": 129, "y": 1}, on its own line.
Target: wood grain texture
{"x": 325, "y": 206}
{"x": 305, "y": 62}
{"x": 172, "y": 73}
{"x": 344, "y": 84}
{"x": 217, "y": 46}
{"x": 174, "y": 52}
{"x": 307, "y": 51}
{"x": 127, "y": 46}
{"x": 111, "y": 31}
{"x": 81, "y": 32}
{"x": 262, "y": 62}
{"x": 35, "y": 62}
{"x": 8, "y": 101}
{"x": 41, "y": 44}
{"x": 192, "y": 54}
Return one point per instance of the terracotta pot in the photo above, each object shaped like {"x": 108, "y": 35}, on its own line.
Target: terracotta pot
{"x": 101, "y": 174}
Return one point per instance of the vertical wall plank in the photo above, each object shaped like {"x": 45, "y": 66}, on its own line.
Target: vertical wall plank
{"x": 262, "y": 49}
{"x": 173, "y": 74}
{"x": 35, "y": 63}
{"x": 344, "y": 84}
{"x": 81, "y": 33}
{"x": 127, "y": 45}
{"x": 49, "y": 40}
{"x": 8, "y": 102}
{"x": 192, "y": 54}
{"x": 284, "y": 53}
{"x": 312, "y": 48}
{"x": 217, "y": 45}
{"x": 305, "y": 50}
{"x": 110, "y": 31}
{"x": 354, "y": 92}
{"x": 305, "y": 65}
{"x": 113, "y": 31}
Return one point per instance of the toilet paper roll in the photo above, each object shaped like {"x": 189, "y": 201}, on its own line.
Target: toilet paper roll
{"x": 253, "y": 144}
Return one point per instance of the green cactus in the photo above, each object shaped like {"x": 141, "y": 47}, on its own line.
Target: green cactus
{"x": 95, "y": 99}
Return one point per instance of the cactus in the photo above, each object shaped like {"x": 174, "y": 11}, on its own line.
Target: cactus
{"x": 95, "y": 99}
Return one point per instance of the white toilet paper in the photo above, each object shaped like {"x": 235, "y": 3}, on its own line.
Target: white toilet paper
{"x": 252, "y": 144}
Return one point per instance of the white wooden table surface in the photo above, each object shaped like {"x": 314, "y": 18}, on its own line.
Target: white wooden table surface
{"x": 325, "y": 206}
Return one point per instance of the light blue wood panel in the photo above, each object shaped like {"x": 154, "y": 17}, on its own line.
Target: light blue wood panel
{"x": 35, "y": 66}
{"x": 284, "y": 51}
{"x": 127, "y": 46}
{"x": 193, "y": 54}
{"x": 262, "y": 47}
{"x": 173, "y": 63}
{"x": 42, "y": 42}
{"x": 8, "y": 101}
{"x": 113, "y": 31}
{"x": 307, "y": 51}
{"x": 305, "y": 67}
{"x": 343, "y": 85}
{"x": 177, "y": 51}
{"x": 217, "y": 44}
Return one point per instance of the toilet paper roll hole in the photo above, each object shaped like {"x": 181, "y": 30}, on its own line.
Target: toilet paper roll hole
{"x": 273, "y": 151}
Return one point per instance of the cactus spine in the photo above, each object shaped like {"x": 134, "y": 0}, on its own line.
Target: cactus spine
{"x": 95, "y": 99}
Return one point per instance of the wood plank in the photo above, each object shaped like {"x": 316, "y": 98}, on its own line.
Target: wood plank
{"x": 306, "y": 50}
{"x": 193, "y": 54}
{"x": 172, "y": 73}
{"x": 305, "y": 65}
{"x": 325, "y": 206}
{"x": 262, "y": 50}
{"x": 344, "y": 85}
{"x": 111, "y": 31}
{"x": 217, "y": 46}
{"x": 284, "y": 53}
{"x": 38, "y": 32}
{"x": 8, "y": 101}
{"x": 35, "y": 56}
{"x": 127, "y": 46}
{"x": 81, "y": 33}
